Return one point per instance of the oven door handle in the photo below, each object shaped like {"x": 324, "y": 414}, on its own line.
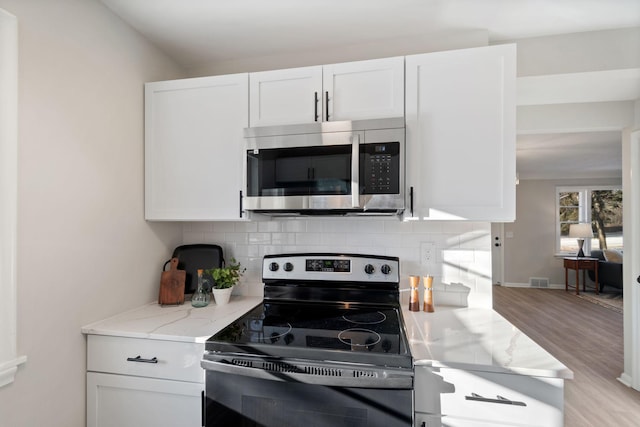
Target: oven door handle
{"x": 386, "y": 379}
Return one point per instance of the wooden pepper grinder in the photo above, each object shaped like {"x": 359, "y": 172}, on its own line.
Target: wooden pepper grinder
{"x": 414, "y": 299}
{"x": 428, "y": 294}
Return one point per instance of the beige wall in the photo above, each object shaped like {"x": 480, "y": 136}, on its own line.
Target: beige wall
{"x": 84, "y": 249}
{"x": 531, "y": 250}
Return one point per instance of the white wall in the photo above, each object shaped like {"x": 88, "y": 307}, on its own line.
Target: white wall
{"x": 531, "y": 250}
{"x": 84, "y": 249}
{"x": 462, "y": 270}
{"x": 382, "y": 48}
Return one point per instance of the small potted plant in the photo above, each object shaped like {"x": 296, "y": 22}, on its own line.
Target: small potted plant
{"x": 224, "y": 279}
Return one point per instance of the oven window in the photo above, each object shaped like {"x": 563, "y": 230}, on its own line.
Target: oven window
{"x": 236, "y": 400}
{"x": 301, "y": 171}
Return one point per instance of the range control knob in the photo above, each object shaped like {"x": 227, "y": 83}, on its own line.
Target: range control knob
{"x": 274, "y": 266}
{"x": 385, "y": 269}
{"x": 288, "y": 266}
{"x": 369, "y": 269}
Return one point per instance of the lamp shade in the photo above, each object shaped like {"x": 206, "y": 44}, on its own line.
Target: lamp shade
{"x": 581, "y": 230}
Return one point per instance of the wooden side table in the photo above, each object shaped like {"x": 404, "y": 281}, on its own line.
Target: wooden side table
{"x": 577, "y": 264}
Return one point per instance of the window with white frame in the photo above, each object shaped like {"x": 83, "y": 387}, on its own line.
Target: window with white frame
{"x": 9, "y": 360}
{"x": 601, "y": 206}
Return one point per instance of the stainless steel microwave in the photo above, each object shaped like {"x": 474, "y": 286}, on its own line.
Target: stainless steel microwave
{"x": 330, "y": 168}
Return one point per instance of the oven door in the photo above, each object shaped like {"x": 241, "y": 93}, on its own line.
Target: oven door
{"x": 237, "y": 396}
{"x": 309, "y": 171}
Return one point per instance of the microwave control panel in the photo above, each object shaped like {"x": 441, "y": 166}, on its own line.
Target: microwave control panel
{"x": 380, "y": 168}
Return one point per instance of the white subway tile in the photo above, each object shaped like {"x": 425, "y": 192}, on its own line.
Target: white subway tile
{"x": 283, "y": 238}
{"x": 308, "y": 239}
{"x": 200, "y": 226}
{"x": 246, "y": 226}
{"x": 236, "y": 238}
{"x": 213, "y": 238}
{"x": 259, "y": 238}
{"x": 269, "y": 227}
{"x": 223, "y": 227}
{"x": 295, "y": 225}
{"x": 192, "y": 237}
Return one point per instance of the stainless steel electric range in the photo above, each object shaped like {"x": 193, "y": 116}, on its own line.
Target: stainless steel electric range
{"x": 326, "y": 347}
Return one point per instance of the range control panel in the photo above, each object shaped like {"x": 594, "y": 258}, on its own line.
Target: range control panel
{"x": 331, "y": 267}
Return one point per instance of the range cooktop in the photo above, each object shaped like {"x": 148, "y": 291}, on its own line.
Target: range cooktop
{"x": 323, "y": 307}
{"x": 363, "y": 334}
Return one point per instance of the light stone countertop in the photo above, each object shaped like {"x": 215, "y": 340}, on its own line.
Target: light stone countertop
{"x": 477, "y": 339}
{"x": 175, "y": 322}
{"x": 453, "y": 337}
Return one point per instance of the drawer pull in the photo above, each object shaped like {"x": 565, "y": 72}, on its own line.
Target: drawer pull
{"x": 141, "y": 360}
{"x": 498, "y": 399}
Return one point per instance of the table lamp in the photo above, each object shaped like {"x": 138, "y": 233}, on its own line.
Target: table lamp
{"x": 580, "y": 231}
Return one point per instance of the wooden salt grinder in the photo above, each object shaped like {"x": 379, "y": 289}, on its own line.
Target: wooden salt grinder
{"x": 428, "y": 294}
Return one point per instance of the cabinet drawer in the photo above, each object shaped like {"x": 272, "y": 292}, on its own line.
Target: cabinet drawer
{"x": 485, "y": 396}
{"x": 173, "y": 360}
{"x": 586, "y": 264}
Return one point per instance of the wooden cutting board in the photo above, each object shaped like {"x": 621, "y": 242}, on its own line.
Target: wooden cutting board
{"x": 172, "y": 285}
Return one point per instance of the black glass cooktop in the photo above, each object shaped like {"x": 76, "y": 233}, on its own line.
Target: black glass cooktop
{"x": 361, "y": 334}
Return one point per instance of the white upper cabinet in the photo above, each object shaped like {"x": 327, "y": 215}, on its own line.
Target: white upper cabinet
{"x": 193, "y": 148}
{"x": 460, "y": 114}
{"x": 285, "y": 96}
{"x": 364, "y": 89}
{"x": 348, "y": 91}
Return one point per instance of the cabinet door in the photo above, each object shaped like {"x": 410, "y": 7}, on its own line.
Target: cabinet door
{"x": 125, "y": 401}
{"x": 282, "y": 97}
{"x": 364, "y": 89}
{"x": 502, "y": 399}
{"x": 193, "y": 147}
{"x": 461, "y": 134}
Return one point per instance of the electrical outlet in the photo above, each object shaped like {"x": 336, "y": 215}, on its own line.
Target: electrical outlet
{"x": 428, "y": 255}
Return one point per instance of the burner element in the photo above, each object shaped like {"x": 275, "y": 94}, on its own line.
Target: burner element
{"x": 368, "y": 318}
{"x": 277, "y": 332}
{"x": 359, "y": 337}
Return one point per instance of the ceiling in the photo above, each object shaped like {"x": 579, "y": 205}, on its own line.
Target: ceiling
{"x": 199, "y": 32}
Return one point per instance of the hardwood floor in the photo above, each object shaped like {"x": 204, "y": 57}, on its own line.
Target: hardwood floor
{"x": 588, "y": 339}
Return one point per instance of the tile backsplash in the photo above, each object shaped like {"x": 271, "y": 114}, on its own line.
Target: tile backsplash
{"x": 461, "y": 264}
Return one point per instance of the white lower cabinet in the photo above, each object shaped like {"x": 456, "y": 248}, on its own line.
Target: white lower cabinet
{"x": 124, "y": 401}
{"x": 455, "y": 397}
{"x": 134, "y": 382}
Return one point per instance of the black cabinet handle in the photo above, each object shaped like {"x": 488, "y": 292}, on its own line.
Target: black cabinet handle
{"x": 411, "y": 200}
{"x": 240, "y": 203}
{"x": 315, "y": 106}
{"x": 202, "y": 408}
{"x": 326, "y": 105}
{"x": 141, "y": 360}
{"x": 498, "y": 399}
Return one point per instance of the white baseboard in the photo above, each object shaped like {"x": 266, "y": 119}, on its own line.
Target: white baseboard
{"x": 625, "y": 379}
{"x": 526, "y": 285}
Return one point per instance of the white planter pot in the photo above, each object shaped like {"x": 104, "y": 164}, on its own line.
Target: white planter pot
{"x": 222, "y": 295}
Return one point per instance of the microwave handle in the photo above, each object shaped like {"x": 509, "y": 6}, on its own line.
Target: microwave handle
{"x": 355, "y": 170}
